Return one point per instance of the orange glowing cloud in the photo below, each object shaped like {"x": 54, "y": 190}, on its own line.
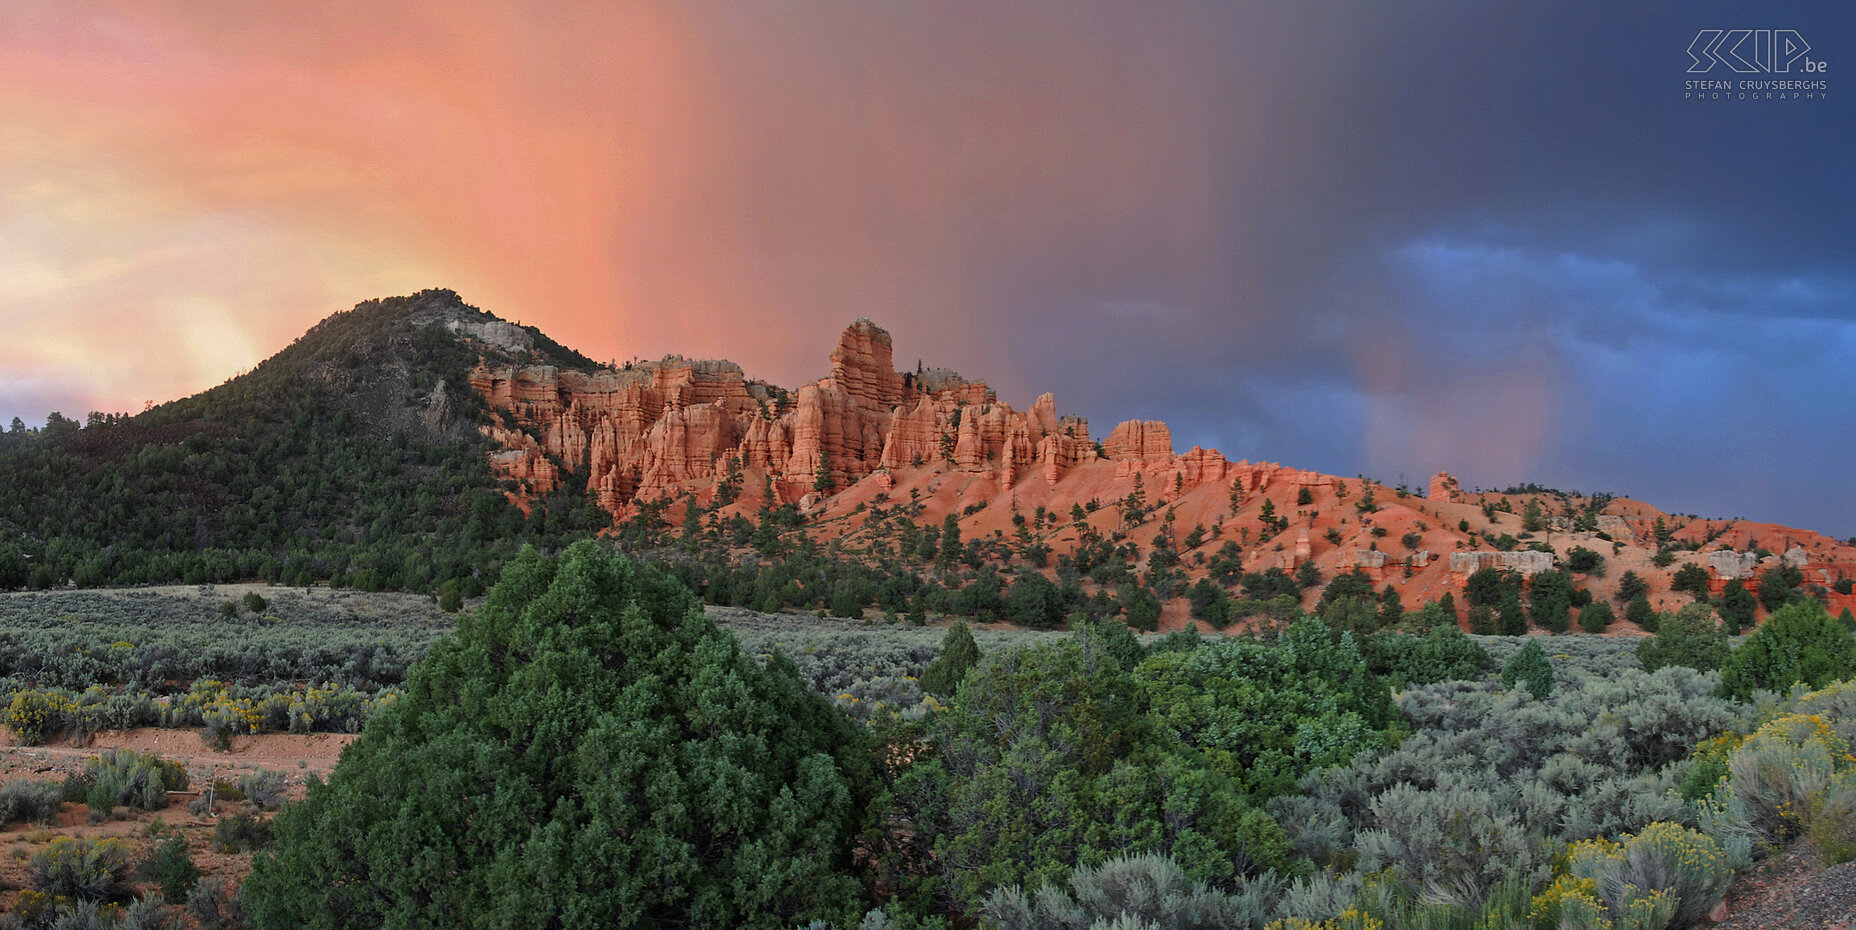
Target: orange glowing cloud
{"x": 187, "y": 189}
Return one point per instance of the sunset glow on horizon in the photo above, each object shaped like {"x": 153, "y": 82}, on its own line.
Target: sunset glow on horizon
{"x": 1340, "y": 237}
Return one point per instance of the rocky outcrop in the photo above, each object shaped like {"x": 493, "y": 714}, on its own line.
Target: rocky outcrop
{"x": 659, "y": 428}
{"x": 1527, "y": 562}
{"x": 676, "y": 426}
{"x": 1444, "y": 488}
{"x": 862, "y": 367}
{"x": 503, "y": 335}
{"x": 598, "y": 423}
{"x": 1200, "y": 466}
{"x": 1248, "y": 478}
{"x": 1063, "y": 450}
{"x": 1142, "y": 440}
{"x": 916, "y": 436}
{"x": 1727, "y": 564}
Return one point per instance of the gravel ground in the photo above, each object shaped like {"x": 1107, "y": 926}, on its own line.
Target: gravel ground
{"x": 1794, "y": 892}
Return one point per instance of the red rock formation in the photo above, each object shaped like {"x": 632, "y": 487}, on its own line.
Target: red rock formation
{"x": 916, "y": 435}
{"x": 1142, "y": 440}
{"x": 764, "y": 446}
{"x": 1199, "y": 466}
{"x": 651, "y": 429}
{"x": 862, "y": 367}
{"x": 1252, "y": 478}
{"x": 669, "y": 427}
{"x": 1444, "y": 488}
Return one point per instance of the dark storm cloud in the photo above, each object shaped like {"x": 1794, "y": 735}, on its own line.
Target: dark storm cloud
{"x": 1364, "y": 238}
{"x": 1501, "y": 243}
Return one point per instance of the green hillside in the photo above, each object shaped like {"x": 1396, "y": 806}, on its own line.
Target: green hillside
{"x": 352, "y": 456}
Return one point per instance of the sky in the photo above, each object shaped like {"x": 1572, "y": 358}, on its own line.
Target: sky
{"x": 1363, "y": 238}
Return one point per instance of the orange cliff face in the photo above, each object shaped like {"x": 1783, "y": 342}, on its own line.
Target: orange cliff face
{"x": 868, "y": 434}
{"x": 659, "y": 429}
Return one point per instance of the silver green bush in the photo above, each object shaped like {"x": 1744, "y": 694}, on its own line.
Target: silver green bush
{"x": 1146, "y": 890}
{"x": 28, "y": 799}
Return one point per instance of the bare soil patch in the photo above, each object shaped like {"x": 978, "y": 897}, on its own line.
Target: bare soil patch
{"x": 296, "y": 755}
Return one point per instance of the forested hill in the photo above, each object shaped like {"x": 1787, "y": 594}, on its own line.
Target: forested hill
{"x": 415, "y": 443}
{"x": 351, "y": 455}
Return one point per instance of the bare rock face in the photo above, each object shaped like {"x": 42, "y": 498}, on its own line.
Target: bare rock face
{"x": 1201, "y": 466}
{"x": 1444, "y": 488}
{"x": 1527, "y": 563}
{"x": 660, "y": 428}
{"x": 684, "y": 445}
{"x": 916, "y": 435}
{"x": 1141, "y": 440}
{"x": 1061, "y": 451}
{"x": 599, "y": 423}
{"x": 863, "y": 367}
{"x": 503, "y": 335}
{"x": 970, "y": 446}
{"x": 1248, "y": 478}
{"x": 521, "y": 460}
{"x": 1727, "y": 564}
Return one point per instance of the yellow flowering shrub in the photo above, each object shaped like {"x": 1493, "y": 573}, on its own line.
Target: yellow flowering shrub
{"x": 1349, "y": 919}
{"x": 1778, "y": 771}
{"x": 1665, "y": 872}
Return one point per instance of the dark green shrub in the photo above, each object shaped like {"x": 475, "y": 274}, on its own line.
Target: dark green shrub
{"x": 1779, "y": 587}
{"x": 588, "y": 749}
{"x": 1639, "y": 612}
{"x": 1691, "y": 578}
{"x": 1595, "y": 617}
{"x": 1737, "y": 607}
{"x": 1798, "y": 643}
{"x": 1529, "y": 668}
{"x": 1443, "y": 654}
{"x": 1512, "y": 616}
{"x": 170, "y": 865}
{"x": 1584, "y": 561}
{"x": 240, "y": 833}
{"x": 1550, "y": 596}
{"x": 1631, "y": 584}
{"x": 255, "y": 602}
{"x": 958, "y": 654}
{"x": 1034, "y": 602}
{"x": 1687, "y": 637}
{"x": 1050, "y": 741}
{"x": 1140, "y": 606}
